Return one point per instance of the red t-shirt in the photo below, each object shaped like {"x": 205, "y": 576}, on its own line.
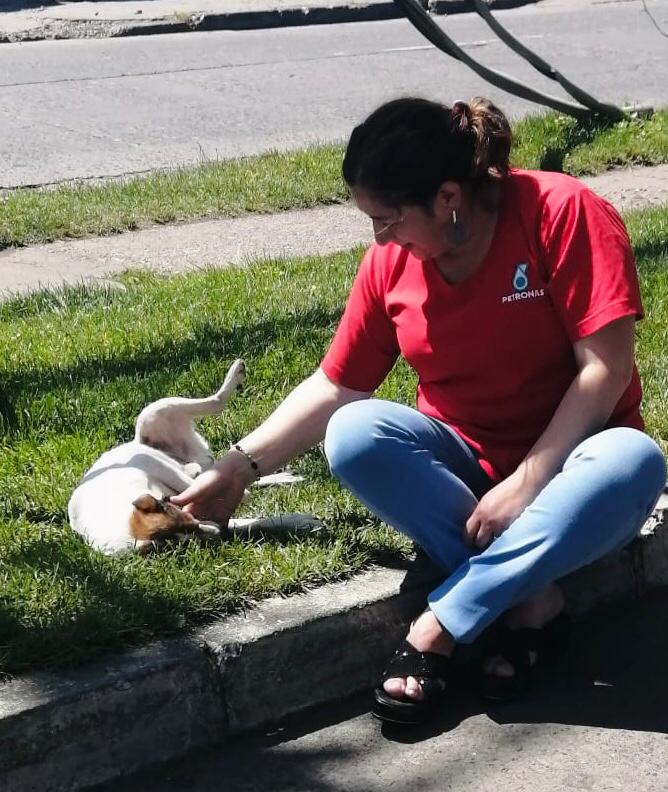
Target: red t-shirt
{"x": 494, "y": 353}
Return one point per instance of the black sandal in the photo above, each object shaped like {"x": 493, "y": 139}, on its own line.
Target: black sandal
{"x": 432, "y": 671}
{"x": 547, "y": 643}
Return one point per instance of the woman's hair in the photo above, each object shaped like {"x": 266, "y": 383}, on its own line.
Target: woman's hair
{"x": 407, "y": 148}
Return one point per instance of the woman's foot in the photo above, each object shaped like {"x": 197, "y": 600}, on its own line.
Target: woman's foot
{"x": 415, "y": 679}
{"x": 425, "y": 635}
{"x": 534, "y": 614}
{"x": 534, "y": 633}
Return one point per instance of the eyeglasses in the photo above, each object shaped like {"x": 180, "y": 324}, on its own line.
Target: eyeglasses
{"x": 379, "y": 233}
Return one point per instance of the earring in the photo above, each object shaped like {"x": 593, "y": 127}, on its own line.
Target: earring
{"x": 456, "y": 231}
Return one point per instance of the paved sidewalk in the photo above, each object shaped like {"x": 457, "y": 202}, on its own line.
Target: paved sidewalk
{"x": 26, "y": 20}
{"x": 212, "y": 243}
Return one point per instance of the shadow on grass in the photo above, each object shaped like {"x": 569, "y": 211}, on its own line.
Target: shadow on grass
{"x": 582, "y": 132}
{"x": 91, "y": 605}
{"x": 653, "y": 250}
{"x": 209, "y": 341}
{"x": 118, "y": 609}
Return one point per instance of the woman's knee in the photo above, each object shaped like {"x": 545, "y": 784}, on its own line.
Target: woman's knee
{"x": 629, "y": 455}
{"x": 352, "y": 436}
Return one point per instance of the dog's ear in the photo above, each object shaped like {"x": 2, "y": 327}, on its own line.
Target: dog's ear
{"x": 147, "y": 503}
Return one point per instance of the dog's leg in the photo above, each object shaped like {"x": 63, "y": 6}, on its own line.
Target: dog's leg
{"x": 234, "y": 379}
{"x": 192, "y": 469}
{"x": 278, "y": 479}
{"x": 181, "y": 409}
{"x": 167, "y": 424}
{"x": 163, "y": 470}
{"x": 280, "y": 523}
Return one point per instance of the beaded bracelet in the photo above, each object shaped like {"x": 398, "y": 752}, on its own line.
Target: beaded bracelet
{"x": 252, "y": 462}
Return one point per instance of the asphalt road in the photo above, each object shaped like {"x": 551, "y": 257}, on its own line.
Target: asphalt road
{"x": 596, "y": 722}
{"x": 86, "y": 108}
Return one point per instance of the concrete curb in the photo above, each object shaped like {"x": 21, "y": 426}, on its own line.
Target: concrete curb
{"x": 240, "y": 20}
{"x": 68, "y": 731}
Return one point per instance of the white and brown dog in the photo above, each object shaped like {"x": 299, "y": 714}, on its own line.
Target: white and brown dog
{"x": 122, "y": 502}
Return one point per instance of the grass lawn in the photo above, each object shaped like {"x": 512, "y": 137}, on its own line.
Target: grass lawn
{"x": 278, "y": 181}
{"x": 79, "y": 364}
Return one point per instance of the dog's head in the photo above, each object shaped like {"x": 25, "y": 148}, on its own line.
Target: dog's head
{"x": 154, "y": 522}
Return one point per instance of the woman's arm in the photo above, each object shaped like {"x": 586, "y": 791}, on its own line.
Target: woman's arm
{"x": 299, "y": 422}
{"x": 296, "y": 425}
{"x": 605, "y": 362}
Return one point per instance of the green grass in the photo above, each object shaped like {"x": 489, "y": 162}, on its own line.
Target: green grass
{"x": 559, "y": 143}
{"x": 78, "y": 365}
{"x": 300, "y": 179}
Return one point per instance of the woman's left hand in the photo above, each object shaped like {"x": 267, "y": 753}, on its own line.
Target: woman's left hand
{"x": 498, "y": 508}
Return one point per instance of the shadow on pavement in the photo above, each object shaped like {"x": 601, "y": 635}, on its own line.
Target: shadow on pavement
{"x": 613, "y": 678}
{"x": 26, "y": 5}
{"x": 614, "y": 675}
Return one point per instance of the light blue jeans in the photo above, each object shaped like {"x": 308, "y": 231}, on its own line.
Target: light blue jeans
{"x": 417, "y": 475}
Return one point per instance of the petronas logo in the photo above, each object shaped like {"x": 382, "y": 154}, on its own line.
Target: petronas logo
{"x": 522, "y": 291}
{"x": 520, "y": 280}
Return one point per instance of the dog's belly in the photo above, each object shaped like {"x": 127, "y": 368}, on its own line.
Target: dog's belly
{"x": 132, "y": 455}
{"x": 101, "y": 506}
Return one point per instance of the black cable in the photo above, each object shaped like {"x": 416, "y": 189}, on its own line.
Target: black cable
{"x": 432, "y": 32}
{"x": 656, "y": 24}
{"x": 544, "y": 67}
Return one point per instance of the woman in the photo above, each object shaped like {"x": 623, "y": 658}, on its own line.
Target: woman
{"x": 513, "y": 295}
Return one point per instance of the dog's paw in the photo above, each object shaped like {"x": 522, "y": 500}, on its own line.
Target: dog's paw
{"x": 209, "y": 530}
{"x": 236, "y": 375}
{"x": 193, "y": 469}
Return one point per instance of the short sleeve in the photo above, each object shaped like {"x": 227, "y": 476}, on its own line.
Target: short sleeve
{"x": 591, "y": 270}
{"x": 364, "y": 347}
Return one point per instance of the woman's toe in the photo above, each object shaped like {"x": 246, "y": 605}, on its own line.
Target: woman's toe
{"x": 395, "y": 687}
{"x": 498, "y": 666}
{"x": 398, "y": 687}
{"x": 413, "y": 688}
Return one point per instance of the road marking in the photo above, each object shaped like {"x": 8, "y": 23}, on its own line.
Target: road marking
{"x": 422, "y": 47}
{"x": 252, "y": 64}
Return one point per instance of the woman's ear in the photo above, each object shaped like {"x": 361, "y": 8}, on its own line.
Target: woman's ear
{"x": 448, "y": 197}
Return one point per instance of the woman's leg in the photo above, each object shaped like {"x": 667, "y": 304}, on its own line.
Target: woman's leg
{"x": 606, "y": 490}
{"x": 410, "y": 470}
{"x": 418, "y": 476}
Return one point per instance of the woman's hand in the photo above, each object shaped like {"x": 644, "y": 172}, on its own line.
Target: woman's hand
{"x": 498, "y": 508}
{"x": 218, "y": 491}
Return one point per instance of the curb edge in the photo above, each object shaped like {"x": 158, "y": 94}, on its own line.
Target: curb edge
{"x": 248, "y": 20}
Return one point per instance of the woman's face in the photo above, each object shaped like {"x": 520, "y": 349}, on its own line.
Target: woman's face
{"x": 421, "y": 233}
